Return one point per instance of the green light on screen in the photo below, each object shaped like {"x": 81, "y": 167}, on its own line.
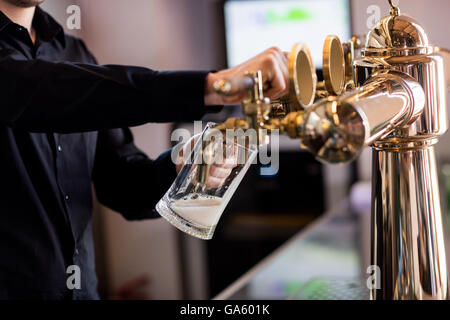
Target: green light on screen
{"x": 291, "y": 15}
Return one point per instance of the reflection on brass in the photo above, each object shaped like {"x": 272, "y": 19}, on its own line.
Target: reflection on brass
{"x": 279, "y": 110}
{"x": 321, "y": 91}
{"x": 302, "y": 75}
{"x": 302, "y": 80}
{"x": 337, "y": 67}
{"x": 333, "y": 65}
{"x": 395, "y": 11}
{"x": 351, "y": 48}
{"x": 394, "y": 100}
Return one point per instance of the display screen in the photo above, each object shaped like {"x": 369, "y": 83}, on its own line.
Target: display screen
{"x": 255, "y": 25}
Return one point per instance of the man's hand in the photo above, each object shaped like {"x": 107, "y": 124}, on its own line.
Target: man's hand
{"x": 273, "y": 65}
{"x": 219, "y": 172}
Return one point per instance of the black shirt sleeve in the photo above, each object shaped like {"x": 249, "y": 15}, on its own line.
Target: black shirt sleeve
{"x": 125, "y": 179}
{"x": 65, "y": 97}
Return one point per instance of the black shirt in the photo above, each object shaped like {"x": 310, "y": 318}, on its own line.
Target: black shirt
{"x": 63, "y": 127}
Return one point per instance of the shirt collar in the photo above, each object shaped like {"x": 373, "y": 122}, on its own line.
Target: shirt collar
{"x": 46, "y": 27}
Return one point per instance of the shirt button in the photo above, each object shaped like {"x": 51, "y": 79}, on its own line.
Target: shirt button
{"x": 66, "y": 197}
{"x": 59, "y": 148}
{"x": 77, "y": 252}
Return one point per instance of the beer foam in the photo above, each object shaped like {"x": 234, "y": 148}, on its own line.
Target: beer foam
{"x": 203, "y": 210}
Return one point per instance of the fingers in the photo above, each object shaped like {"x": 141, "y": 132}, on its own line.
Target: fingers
{"x": 278, "y": 83}
{"x": 283, "y": 58}
{"x": 275, "y": 71}
{"x": 219, "y": 172}
{"x": 230, "y": 162}
{"x": 235, "y": 98}
{"x": 214, "y": 182}
{"x": 230, "y": 151}
{"x": 274, "y": 66}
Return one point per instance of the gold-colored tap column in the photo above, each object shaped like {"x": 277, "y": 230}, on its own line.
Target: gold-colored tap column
{"x": 407, "y": 235}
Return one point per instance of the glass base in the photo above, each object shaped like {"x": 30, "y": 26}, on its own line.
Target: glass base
{"x": 195, "y": 230}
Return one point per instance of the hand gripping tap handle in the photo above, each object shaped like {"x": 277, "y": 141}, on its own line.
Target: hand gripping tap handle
{"x": 229, "y": 87}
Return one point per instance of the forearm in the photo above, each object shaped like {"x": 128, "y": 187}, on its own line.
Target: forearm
{"x": 41, "y": 96}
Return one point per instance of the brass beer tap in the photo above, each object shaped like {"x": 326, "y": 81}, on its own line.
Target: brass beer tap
{"x": 393, "y": 98}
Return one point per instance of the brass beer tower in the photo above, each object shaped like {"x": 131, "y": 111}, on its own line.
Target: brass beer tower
{"x": 391, "y": 97}
{"x": 407, "y": 233}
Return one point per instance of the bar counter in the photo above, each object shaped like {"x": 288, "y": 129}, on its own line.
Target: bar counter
{"x": 323, "y": 261}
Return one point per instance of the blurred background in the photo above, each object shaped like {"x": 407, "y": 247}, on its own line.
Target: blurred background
{"x": 153, "y": 260}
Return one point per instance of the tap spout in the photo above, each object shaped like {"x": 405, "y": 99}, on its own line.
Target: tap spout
{"x": 336, "y": 129}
